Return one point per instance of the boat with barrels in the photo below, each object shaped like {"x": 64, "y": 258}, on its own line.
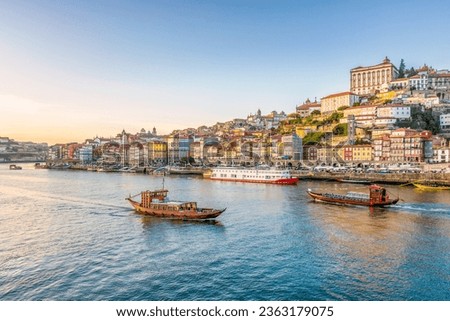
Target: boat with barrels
{"x": 156, "y": 203}
{"x": 377, "y": 197}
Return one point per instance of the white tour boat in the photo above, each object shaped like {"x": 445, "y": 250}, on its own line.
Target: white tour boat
{"x": 260, "y": 174}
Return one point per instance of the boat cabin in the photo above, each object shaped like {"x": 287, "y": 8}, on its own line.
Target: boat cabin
{"x": 377, "y": 194}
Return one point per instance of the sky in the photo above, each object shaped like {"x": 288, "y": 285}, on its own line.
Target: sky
{"x": 72, "y": 70}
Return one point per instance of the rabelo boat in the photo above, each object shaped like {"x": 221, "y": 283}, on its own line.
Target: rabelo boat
{"x": 377, "y": 197}
{"x": 156, "y": 203}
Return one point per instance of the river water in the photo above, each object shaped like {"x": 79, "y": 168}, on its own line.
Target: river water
{"x": 70, "y": 235}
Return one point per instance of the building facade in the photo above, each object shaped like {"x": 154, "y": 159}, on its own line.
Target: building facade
{"x": 332, "y": 102}
{"x": 444, "y": 122}
{"x": 368, "y": 80}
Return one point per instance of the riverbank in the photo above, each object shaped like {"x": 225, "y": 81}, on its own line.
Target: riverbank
{"x": 441, "y": 179}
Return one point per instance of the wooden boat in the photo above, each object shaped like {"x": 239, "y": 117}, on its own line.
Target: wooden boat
{"x": 187, "y": 170}
{"x": 377, "y": 197}
{"x": 155, "y": 203}
{"x": 40, "y": 166}
{"x": 431, "y": 187}
{"x": 14, "y": 167}
{"x": 353, "y": 181}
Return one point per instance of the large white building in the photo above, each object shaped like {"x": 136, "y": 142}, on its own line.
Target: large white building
{"x": 387, "y": 115}
{"x": 368, "y": 80}
{"x": 332, "y": 102}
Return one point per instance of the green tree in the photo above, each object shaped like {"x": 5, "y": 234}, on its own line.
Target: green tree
{"x": 410, "y": 72}
{"x": 340, "y": 130}
{"x": 312, "y": 138}
{"x": 401, "y": 69}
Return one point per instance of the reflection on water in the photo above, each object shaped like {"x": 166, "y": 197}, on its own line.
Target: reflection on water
{"x": 70, "y": 235}
{"x": 150, "y": 221}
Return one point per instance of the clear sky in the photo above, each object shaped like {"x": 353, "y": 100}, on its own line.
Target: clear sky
{"x": 71, "y": 70}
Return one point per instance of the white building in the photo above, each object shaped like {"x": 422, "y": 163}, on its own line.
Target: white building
{"x": 85, "y": 154}
{"x": 307, "y": 108}
{"x": 396, "y": 111}
{"x": 441, "y": 155}
{"x": 368, "y": 80}
{"x": 444, "y": 121}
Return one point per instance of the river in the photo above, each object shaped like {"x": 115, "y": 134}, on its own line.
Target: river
{"x": 70, "y": 235}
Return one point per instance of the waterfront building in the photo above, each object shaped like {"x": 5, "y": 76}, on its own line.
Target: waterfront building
{"x": 357, "y": 153}
{"x": 184, "y": 146}
{"x": 173, "y": 149}
{"x": 56, "y": 152}
{"x": 310, "y": 153}
{"x": 86, "y": 154}
{"x": 196, "y": 149}
{"x": 381, "y": 146}
{"x": 331, "y": 103}
{"x": 136, "y": 154}
{"x": 291, "y": 147}
{"x": 329, "y": 155}
{"x": 157, "y": 152}
{"x": 409, "y": 145}
{"x": 369, "y": 80}
{"x": 441, "y": 154}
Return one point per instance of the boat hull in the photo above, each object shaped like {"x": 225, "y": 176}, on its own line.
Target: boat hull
{"x": 431, "y": 188}
{"x": 354, "y": 181}
{"x": 319, "y": 197}
{"x": 199, "y": 214}
{"x": 281, "y": 181}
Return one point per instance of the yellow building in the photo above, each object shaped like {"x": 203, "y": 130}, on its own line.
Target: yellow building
{"x": 332, "y": 102}
{"x": 358, "y": 153}
{"x": 157, "y": 152}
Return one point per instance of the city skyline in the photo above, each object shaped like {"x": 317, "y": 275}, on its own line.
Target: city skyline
{"x": 72, "y": 71}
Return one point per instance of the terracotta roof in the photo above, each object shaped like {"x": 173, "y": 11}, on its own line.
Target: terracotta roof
{"x": 307, "y": 106}
{"x": 440, "y": 75}
{"x": 340, "y": 94}
{"x": 392, "y": 105}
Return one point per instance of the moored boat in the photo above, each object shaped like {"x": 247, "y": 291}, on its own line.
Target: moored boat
{"x": 155, "y": 203}
{"x": 377, "y": 197}
{"x": 187, "y": 170}
{"x": 260, "y": 174}
{"x": 431, "y": 187}
{"x": 353, "y": 181}
{"x": 40, "y": 166}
